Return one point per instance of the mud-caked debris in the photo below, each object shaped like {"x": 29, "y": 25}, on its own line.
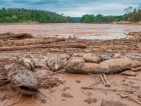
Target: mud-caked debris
{"x": 22, "y": 78}
{"x": 112, "y": 103}
{"x": 57, "y": 62}
{"x": 91, "y": 100}
{"x": 81, "y": 68}
{"x": 91, "y": 57}
{"x": 128, "y": 73}
{"x": 117, "y": 65}
{"x": 67, "y": 95}
{"x": 10, "y": 35}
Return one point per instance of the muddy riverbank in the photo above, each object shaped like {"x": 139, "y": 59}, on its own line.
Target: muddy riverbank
{"x": 69, "y": 92}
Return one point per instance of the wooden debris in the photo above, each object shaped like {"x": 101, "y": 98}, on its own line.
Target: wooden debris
{"x": 31, "y": 41}
{"x": 42, "y": 46}
{"x": 135, "y": 35}
{"x": 81, "y": 68}
{"x": 67, "y": 95}
{"x": 134, "y": 99}
{"x": 104, "y": 80}
{"x": 117, "y": 65}
{"x": 136, "y": 69}
{"x": 91, "y": 100}
{"x": 112, "y": 103}
{"x": 56, "y": 62}
{"x": 128, "y": 73}
{"x": 10, "y": 35}
{"x": 22, "y": 78}
{"x": 111, "y": 89}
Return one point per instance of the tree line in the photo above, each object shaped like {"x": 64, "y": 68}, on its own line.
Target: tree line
{"x": 21, "y": 15}
{"x": 101, "y": 18}
{"x": 131, "y": 15}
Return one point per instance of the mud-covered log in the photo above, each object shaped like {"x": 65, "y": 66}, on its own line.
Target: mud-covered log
{"x": 79, "y": 66}
{"x": 10, "y": 35}
{"x": 43, "y": 46}
{"x": 117, "y": 65}
{"x": 109, "y": 66}
{"x": 32, "y": 41}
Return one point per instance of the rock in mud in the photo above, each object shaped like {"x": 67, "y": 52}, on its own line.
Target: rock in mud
{"x": 112, "y": 103}
{"x": 91, "y": 57}
{"x": 22, "y": 78}
{"x": 56, "y": 62}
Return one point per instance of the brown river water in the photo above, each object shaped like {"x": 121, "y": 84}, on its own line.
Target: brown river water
{"x": 82, "y": 31}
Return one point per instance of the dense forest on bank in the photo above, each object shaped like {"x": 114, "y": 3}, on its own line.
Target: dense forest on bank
{"x": 131, "y": 15}
{"x": 17, "y": 15}
{"x": 101, "y": 18}
{"x": 21, "y": 15}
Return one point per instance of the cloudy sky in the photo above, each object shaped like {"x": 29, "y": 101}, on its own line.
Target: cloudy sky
{"x": 74, "y": 7}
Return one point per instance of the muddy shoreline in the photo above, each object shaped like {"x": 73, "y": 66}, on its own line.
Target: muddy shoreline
{"x": 70, "y": 92}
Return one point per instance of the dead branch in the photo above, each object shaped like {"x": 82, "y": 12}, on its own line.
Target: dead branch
{"x": 134, "y": 99}
{"x": 103, "y": 80}
{"x": 111, "y": 89}
{"x": 31, "y": 41}
{"x": 106, "y": 80}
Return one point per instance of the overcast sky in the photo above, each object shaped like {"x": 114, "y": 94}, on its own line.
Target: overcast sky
{"x": 74, "y": 8}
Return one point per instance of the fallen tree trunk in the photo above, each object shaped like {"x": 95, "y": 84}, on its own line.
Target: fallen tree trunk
{"x": 82, "y": 46}
{"x": 31, "y": 41}
{"x": 10, "y": 35}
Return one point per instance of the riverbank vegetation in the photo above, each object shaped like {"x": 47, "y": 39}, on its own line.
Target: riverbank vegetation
{"x": 131, "y": 15}
{"x": 20, "y": 15}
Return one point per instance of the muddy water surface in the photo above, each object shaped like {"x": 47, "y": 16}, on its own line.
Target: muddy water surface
{"x": 82, "y": 31}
